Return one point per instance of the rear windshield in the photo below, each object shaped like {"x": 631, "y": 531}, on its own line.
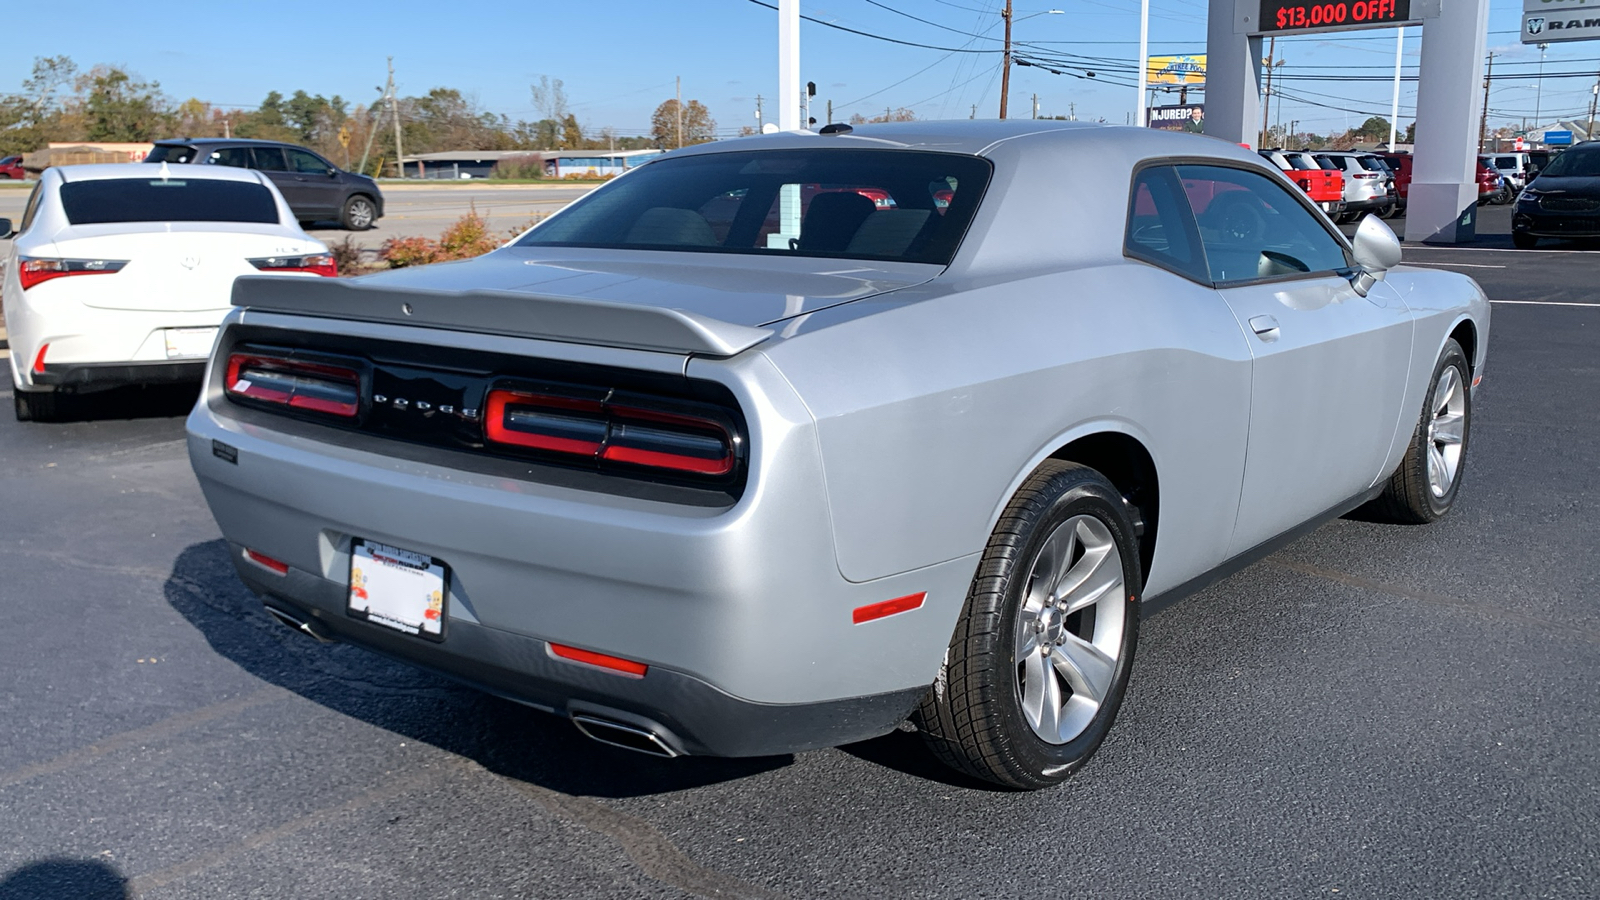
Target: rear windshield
{"x": 1299, "y": 161}
{"x": 857, "y": 204}
{"x": 170, "y": 200}
{"x": 171, "y": 153}
{"x": 1372, "y": 164}
{"x": 1575, "y": 164}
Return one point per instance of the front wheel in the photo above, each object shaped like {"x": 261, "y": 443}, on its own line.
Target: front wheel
{"x": 1425, "y": 486}
{"x": 1041, "y": 657}
{"x": 359, "y": 213}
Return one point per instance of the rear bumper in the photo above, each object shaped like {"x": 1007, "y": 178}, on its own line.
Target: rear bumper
{"x": 688, "y": 714}
{"x": 86, "y": 377}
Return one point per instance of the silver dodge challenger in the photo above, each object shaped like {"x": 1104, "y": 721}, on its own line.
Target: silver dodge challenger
{"x": 778, "y": 443}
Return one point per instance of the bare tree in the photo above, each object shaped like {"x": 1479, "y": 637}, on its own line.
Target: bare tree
{"x": 550, "y": 98}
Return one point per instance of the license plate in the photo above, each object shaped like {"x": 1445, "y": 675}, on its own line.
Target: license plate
{"x": 398, "y": 589}
{"x": 190, "y": 343}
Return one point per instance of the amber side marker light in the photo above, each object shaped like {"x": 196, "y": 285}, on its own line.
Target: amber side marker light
{"x": 266, "y": 562}
{"x": 613, "y": 663}
{"x": 888, "y": 607}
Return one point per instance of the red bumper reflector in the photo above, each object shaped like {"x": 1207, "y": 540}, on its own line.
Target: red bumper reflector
{"x": 614, "y": 663}
{"x": 266, "y": 562}
{"x": 38, "y": 361}
{"x": 888, "y": 607}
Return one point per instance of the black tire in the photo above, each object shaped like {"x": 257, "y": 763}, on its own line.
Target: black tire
{"x": 359, "y": 213}
{"x": 37, "y": 406}
{"x": 1393, "y": 212}
{"x": 973, "y": 718}
{"x": 1409, "y": 496}
{"x": 1523, "y": 241}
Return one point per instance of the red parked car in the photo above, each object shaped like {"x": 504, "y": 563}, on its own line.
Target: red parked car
{"x": 11, "y": 167}
{"x": 1492, "y": 187}
{"x": 1325, "y": 187}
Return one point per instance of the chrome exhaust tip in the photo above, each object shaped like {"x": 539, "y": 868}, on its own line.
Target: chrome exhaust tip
{"x": 624, "y": 735}
{"x": 298, "y": 624}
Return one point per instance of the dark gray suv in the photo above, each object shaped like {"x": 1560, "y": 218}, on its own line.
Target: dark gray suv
{"x": 316, "y": 189}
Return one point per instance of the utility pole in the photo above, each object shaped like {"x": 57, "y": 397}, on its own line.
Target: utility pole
{"x": 758, "y": 114}
{"x": 1036, "y": 106}
{"x": 1594, "y": 95}
{"x": 394, "y": 112}
{"x": 974, "y": 111}
{"x": 1483, "y": 121}
{"x": 1005, "y": 64}
{"x": 1266, "y": 109}
{"x": 830, "y": 112}
{"x": 680, "y": 111}
{"x": 372, "y": 128}
{"x": 1072, "y": 112}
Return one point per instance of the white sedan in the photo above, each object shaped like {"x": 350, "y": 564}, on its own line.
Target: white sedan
{"x": 164, "y": 247}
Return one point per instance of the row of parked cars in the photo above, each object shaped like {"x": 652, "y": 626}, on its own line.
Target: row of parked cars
{"x": 1349, "y": 183}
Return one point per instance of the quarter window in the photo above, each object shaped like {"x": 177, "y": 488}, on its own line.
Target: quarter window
{"x": 1252, "y": 228}
{"x": 32, "y": 209}
{"x": 1159, "y": 230}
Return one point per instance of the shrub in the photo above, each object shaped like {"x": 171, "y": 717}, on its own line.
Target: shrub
{"x": 468, "y": 237}
{"x": 523, "y": 166}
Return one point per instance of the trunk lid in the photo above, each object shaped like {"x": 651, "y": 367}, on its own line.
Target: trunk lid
{"x": 171, "y": 268}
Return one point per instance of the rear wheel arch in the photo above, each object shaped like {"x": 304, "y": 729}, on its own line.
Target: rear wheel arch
{"x": 1125, "y": 462}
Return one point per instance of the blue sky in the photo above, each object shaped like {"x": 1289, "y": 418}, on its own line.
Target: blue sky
{"x": 618, "y": 58}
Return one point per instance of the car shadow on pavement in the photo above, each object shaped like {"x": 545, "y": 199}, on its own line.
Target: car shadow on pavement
{"x": 163, "y": 401}
{"x": 509, "y": 739}
{"x": 64, "y": 879}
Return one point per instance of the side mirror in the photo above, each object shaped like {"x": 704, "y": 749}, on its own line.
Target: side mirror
{"x": 1377, "y": 251}
{"x": 5, "y": 229}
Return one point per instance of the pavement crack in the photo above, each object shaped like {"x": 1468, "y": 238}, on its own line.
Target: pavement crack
{"x": 1396, "y": 590}
{"x": 653, "y": 852}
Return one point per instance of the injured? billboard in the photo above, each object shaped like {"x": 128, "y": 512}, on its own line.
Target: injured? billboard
{"x": 1189, "y": 117}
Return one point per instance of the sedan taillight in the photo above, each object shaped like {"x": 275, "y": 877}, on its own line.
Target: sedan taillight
{"x": 311, "y": 264}
{"x": 617, "y": 428}
{"x": 296, "y": 384}
{"x": 34, "y": 270}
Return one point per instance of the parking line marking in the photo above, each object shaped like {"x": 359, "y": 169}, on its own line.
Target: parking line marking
{"x": 1542, "y": 303}
{"x": 165, "y": 728}
{"x": 1493, "y": 611}
{"x": 388, "y": 790}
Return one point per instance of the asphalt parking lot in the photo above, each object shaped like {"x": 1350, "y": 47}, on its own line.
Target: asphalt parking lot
{"x": 1376, "y": 711}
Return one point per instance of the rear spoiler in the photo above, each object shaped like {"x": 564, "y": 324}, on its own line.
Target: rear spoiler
{"x": 568, "y": 319}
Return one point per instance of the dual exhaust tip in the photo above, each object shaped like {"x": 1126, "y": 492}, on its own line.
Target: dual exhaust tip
{"x": 615, "y": 732}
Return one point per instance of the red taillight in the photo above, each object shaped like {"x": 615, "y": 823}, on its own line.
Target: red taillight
{"x": 887, "y": 607}
{"x": 297, "y": 384}
{"x": 32, "y": 271}
{"x": 312, "y": 264}
{"x": 266, "y": 562}
{"x": 607, "y": 431}
{"x": 614, "y": 663}
{"x": 38, "y": 360}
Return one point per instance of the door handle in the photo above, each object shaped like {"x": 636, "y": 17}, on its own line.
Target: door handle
{"x": 1265, "y": 327}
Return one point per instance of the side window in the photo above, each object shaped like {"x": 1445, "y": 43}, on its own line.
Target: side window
{"x": 1159, "y": 228}
{"x": 269, "y": 159}
{"x": 305, "y": 163}
{"x": 1253, "y": 228}
{"x": 239, "y": 157}
{"x": 32, "y": 209}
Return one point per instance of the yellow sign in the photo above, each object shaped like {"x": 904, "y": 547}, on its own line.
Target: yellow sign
{"x": 1178, "y": 69}
{"x": 344, "y": 137}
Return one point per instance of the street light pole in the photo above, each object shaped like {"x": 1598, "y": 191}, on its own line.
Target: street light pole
{"x": 1538, "y": 91}
{"x": 1144, "y": 59}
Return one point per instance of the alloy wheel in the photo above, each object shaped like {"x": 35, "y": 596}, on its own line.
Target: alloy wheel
{"x": 1446, "y": 431}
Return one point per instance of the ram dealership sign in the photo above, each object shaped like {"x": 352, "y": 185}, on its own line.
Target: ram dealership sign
{"x": 1552, "y": 21}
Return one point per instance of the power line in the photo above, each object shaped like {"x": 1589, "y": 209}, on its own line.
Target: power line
{"x": 877, "y": 37}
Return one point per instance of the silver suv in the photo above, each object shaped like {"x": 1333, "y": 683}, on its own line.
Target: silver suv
{"x": 1368, "y": 184}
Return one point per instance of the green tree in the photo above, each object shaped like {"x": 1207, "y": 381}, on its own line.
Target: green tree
{"x": 1376, "y": 128}
{"x": 118, "y": 108}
